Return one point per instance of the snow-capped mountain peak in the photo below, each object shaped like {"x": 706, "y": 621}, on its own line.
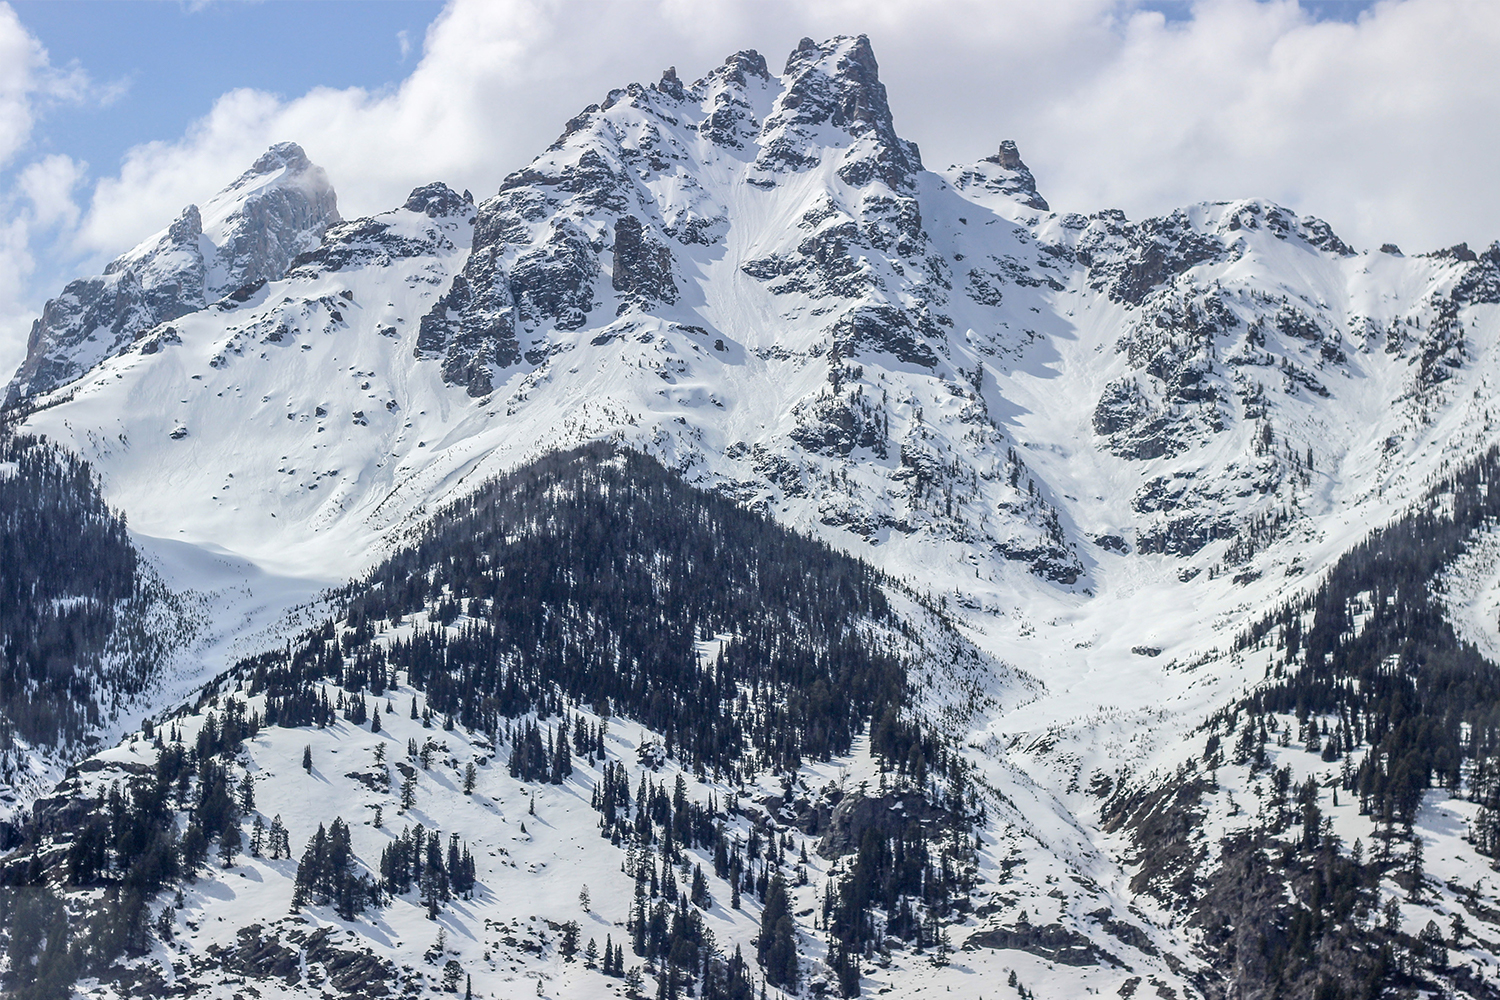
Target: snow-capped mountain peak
{"x": 249, "y": 232}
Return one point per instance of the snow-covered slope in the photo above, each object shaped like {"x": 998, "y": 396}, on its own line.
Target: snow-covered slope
{"x": 1106, "y": 446}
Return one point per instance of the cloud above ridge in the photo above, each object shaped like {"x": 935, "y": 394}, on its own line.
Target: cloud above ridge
{"x": 1381, "y": 124}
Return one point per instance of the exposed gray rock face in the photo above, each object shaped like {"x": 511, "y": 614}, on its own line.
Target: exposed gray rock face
{"x": 249, "y": 232}
{"x": 94, "y": 318}
{"x": 379, "y": 240}
{"x": 1481, "y": 281}
{"x": 437, "y": 200}
{"x": 1052, "y": 942}
{"x": 731, "y": 120}
{"x": 837, "y": 424}
{"x": 889, "y": 815}
{"x": 837, "y": 83}
{"x": 643, "y": 266}
{"x": 277, "y": 209}
{"x": 554, "y": 280}
{"x": 1128, "y": 260}
{"x": 471, "y": 333}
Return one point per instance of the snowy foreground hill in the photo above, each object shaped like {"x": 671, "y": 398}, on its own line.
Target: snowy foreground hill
{"x": 735, "y": 557}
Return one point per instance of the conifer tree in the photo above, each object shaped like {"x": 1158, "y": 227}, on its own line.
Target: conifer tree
{"x": 408, "y": 791}
{"x": 247, "y": 794}
{"x": 229, "y": 844}
{"x": 776, "y": 947}
{"x": 562, "y": 757}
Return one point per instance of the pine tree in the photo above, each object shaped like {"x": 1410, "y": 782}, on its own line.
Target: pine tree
{"x": 310, "y": 868}
{"x": 193, "y": 848}
{"x": 433, "y": 884}
{"x": 1416, "y": 873}
{"x": 247, "y": 795}
{"x": 700, "y": 895}
{"x": 776, "y": 947}
{"x": 562, "y": 757}
{"x": 408, "y": 791}
{"x": 274, "y": 838}
{"x": 307, "y": 758}
{"x": 229, "y": 844}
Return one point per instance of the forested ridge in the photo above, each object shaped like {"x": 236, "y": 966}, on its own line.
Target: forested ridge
{"x": 1404, "y": 685}
{"x": 592, "y": 582}
{"x": 66, "y": 568}
{"x": 590, "y": 575}
{"x": 1374, "y": 677}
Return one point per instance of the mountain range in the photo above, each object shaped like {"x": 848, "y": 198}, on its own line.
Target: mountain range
{"x": 737, "y": 544}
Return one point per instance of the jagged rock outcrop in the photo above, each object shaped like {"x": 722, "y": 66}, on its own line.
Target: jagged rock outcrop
{"x": 276, "y": 210}
{"x": 642, "y": 266}
{"x": 377, "y": 241}
{"x": 888, "y": 815}
{"x": 1003, "y": 174}
{"x": 1052, "y": 942}
{"x": 837, "y": 83}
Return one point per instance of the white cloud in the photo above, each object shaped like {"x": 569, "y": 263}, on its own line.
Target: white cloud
{"x": 48, "y": 183}
{"x": 28, "y": 82}
{"x": 20, "y": 58}
{"x": 1381, "y": 126}
{"x": 39, "y": 197}
{"x": 16, "y": 266}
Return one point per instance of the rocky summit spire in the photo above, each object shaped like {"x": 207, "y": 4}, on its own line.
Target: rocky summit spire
{"x": 670, "y": 84}
{"x": 1008, "y": 157}
{"x": 276, "y": 210}
{"x": 836, "y": 83}
{"x": 1004, "y": 173}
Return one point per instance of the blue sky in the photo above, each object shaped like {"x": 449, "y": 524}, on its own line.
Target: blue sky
{"x": 172, "y": 60}
{"x": 1322, "y": 10}
{"x": 1377, "y": 116}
